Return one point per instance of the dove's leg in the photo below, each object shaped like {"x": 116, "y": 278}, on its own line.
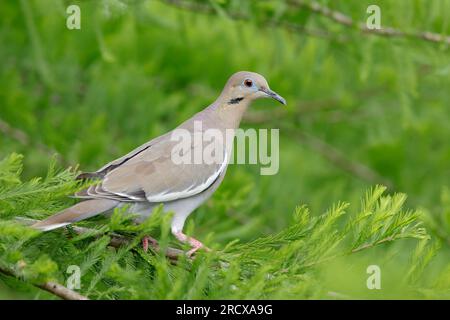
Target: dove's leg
{"x": 143, "y": 211}
{"x": 145, "y": 243}
{"x": 191, "y": 241}
{"x": 183, "y": 209}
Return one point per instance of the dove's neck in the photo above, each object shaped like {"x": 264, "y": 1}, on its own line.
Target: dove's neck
{"x": 221, "y": 115}
{"x": 229, "y": 111}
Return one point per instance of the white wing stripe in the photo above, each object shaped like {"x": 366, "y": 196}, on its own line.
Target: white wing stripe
{"x": 189, "y": 191}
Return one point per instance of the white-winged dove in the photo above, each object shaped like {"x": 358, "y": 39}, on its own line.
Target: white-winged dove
{"x": 148, "y": 176}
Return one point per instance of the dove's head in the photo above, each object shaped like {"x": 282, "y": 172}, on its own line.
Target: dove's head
{"x": 248, "y": 86}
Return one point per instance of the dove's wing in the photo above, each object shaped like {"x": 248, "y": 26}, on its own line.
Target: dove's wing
{"x": 151, "y": 174}
{"x": 100, "y": 173}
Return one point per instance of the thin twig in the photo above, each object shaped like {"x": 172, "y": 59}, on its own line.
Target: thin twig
{"x": 338, "y": 158}
{"x": 61, "y": 291}
{"x": 14, "y": 133}
{"x": 290, "y": 27}
{"x": 25, "y": 140}
{"x": 330, "y": 153}
{"x": 317, "y": 8}
{"x": 308, "y": 107}
{"x": 355, "y": 250}
{"x": 338, "y": 295}
{"x": 50, "y": 286}
{"x": 370, "y": 245}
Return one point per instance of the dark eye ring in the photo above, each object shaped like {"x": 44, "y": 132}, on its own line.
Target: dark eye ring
{"x": 248, "y": 82}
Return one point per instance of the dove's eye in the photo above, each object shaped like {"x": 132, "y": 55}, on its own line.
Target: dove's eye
{"x": 248, "y": 82}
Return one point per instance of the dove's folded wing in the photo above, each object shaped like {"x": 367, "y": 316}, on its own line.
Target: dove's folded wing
{"x": 151, "y": 174}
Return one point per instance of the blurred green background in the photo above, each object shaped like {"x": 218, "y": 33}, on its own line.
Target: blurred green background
{"x": 363, "y": 109}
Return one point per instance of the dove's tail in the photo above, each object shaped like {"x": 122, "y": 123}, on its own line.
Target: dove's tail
{"x": 80, "y": 211}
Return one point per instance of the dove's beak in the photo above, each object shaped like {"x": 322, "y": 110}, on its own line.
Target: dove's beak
{"x": 273, "y": 95}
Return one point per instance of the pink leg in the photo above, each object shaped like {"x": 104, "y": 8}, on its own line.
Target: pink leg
{"x": 145, "y": 242}
{"x": 193, "y": 242}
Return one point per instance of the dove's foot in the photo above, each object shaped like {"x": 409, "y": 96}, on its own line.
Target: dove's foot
{"x": 146, "y": 240}
{"x": 191, "y": 241}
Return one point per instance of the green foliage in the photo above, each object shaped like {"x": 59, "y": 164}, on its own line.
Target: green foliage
{"x": 35, "y": 197}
